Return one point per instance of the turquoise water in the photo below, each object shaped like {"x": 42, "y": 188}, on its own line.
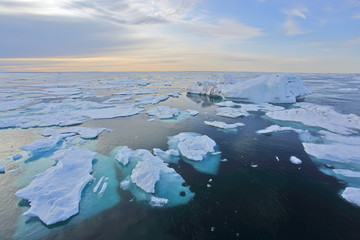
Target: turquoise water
{"x": 275, "y": 200}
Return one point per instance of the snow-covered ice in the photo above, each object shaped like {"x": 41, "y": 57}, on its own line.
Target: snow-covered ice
{"x": 277, "y": 128}
{"x": 124, "y": 154}
{"x": 223, "y": 125}
{"x": 158, "y": 202}
{"x": 85, "y": 133}
{"x": 43, "y": 145}
{"x": 275, "y": 88}
{"x": 163, "y": 112}
{"x": 54, "y": 195}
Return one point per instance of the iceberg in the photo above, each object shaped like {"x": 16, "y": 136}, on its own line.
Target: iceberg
{"x": 54, "y": 195}
{"x": 275, "y": 88}
{"x": 223, "y": 125}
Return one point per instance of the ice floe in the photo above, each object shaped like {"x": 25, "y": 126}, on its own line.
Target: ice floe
{"x": 231, "y": 112}
{"x": 347, "y": 173}
{"x": 163, "y": 112}
{"x": 85, "y": 133}
{"x": 277, "y": 128}
{"x": 319, "y": 116}
{"x": 295, "y": 160}
{"x": 54, "y": 195}
{"x": 43, "y": 145}
{"x": 275, "y": 88}
{"x": 158, "y": 202}
{"x": 117, "y": 99}
{"x": 124, "y": 154}
{"x": 223, "y": 125}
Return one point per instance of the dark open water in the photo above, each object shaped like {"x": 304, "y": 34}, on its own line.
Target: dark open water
{"x": 276, "y": 200}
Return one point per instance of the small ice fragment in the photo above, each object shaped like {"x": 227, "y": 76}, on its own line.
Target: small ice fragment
{"x": 208, "y": 185}
{"x": 277, "y": 158}
{"x": 216, "y": 153}
{"x": 124, "y": 185}
{"x": 192, "y": 112}
{"x": 223, "y": 125}
{"x": 254, "y": 165}
{"x": 212, "y": 229}
{"x": 103, "y": 188}
{"x": 151, "y": 120}
{"x": 210, "y": 180}
{"x": 17, "y": 156}
{"x": 158, "y": 202}
{"x": 224, "y": 160}
{"x": 295, "y": 160}
{"x": 98, "y": 184}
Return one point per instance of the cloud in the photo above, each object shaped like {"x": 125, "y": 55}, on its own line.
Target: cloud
{"x": 352, "y": 42}
{"x": 356, "y": 17}
{"x": 291, "y": 25}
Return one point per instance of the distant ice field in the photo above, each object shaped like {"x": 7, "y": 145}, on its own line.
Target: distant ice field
{"x": 136, "y": 155}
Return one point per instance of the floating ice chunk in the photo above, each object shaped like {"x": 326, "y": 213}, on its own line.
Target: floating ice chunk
{"x": 277, "y": 158}
{"x": 277, "y": 128}
{"x": 275, "y": 88}
{"x": 163, "y": 112}
{"x": 352, "y": 195}
{"x": 54, "y": 195}
{"x": 231, "y": 112}
{"x": 295, "y": 160}
{"x": 171, "y": 155}
{"x": 254, "y": 165}
{"x": 96, "y": 188}
{"x": 103, "y": 188}
{"x": 124, "y": 154}
{"x": 2, "y": 168}
{"x": 194, "y": 147}
{"x": 336, "y": 152}
{"x": 145, "y": 176}
{"x": 348, "y": 140}
{"x": 319, "y": 116}
{"x": 85, "y": 133}
{"x": 16, "y": 156}
{"x": 117, "y": 99}
{"x": 192, "y": 112}
{"x": 347, "y": 173}
{"x": 15, "y": 104}
{"x": 125, "y": 184}
{"x": 44, "y": 145}
{"x": 158, "y": 202}
{"x": 63, "y": 91}
{"x": 123, "y": 110}
{"x": 223, "y": 125}
{"x": 174, "y": 94}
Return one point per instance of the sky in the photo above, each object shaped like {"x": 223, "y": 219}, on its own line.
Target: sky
{"x": 180, "y": 35}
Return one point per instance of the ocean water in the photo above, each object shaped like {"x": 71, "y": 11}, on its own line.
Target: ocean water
{"x": 252, "y": 195}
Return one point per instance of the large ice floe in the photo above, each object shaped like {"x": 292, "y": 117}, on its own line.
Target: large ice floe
{"x": 275, "y": 88}
{"x": 54, "y": 195}
{"x": 166, "y": 113}
{"x": 223, "y": 125}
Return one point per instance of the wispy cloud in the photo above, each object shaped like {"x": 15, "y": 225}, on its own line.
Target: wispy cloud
{"x": 291, "y": 25}
{"x": 352, "y": 42}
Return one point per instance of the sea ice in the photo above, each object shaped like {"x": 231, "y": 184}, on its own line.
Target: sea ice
{"x": 223, "y": 125}
{"x": 54, "y": 195}
{"x": 16, "y": 156}
{"x": 96, "y": 188}
{"x": 352, "y": 195}
{"x": 85, "y": 133}
{"x": 192, "y": 112}
{"x": 163, "y": 112}
{"x": 2, "y": 168}
{"x": 231, "y": 112}
{"x": 277, "y": 128}
{"x": 117, "y": 99}
{"x": 337, "y": 152}
{"x": 121, "y": 110}
{"x": 194, "y": 147}
{"x": 319, "y": 116}
{"x": 275, "y": 88}
{"x": 295, "y": 160}
{"x": 43, "y": 145}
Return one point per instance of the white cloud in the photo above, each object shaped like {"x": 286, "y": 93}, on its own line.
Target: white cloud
{"x": 291, "y": 26}
{"x": 356, "y": 17}
{"x": 351, "y": 42}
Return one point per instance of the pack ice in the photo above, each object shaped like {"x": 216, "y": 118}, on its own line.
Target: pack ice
{"x": 54, "y": 195}
{"x": 275, "y": 88}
